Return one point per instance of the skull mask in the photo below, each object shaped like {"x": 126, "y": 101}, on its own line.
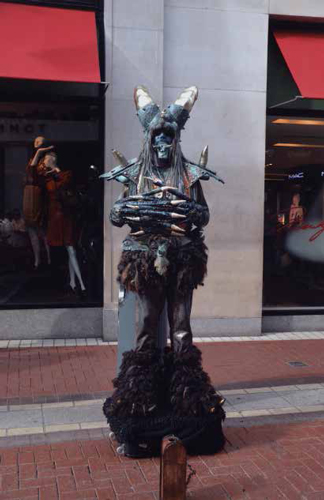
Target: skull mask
{"x": 162, "y": 144}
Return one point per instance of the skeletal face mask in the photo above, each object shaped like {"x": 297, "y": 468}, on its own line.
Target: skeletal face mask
{"x": 162, "y": 144}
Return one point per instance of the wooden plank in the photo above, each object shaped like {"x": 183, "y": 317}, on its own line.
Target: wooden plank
{"x": 173, "y": 469}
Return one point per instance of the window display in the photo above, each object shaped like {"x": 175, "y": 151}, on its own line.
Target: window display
{"x": 50, "y": 211}
{"x": 294, "y": 213}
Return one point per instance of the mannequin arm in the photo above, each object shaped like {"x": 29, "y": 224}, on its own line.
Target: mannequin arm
{"x": 40, "y": 151}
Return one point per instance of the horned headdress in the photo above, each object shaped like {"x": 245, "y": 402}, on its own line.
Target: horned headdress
{"x": 175, "y": 114}
{"x": 171, "y": 120}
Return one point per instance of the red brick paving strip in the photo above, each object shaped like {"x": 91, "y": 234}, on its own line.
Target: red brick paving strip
{"x": 67, "y": 371}
{"x": 272, "y": 462}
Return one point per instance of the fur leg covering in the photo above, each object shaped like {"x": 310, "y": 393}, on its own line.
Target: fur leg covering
{"x": 196, "y": 408}
{"x": 133, "y": 410}
{"x": 191, "y": 391}
{"x": 137, "y": 385}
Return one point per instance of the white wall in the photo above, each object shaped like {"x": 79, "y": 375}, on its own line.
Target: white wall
{"x": 220, "y": 46}
{"x": 307, "y": 8}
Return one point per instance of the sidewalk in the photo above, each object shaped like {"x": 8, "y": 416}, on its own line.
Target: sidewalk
{"x": 54, "y": 440}
{"x": 271, "y": 462}
{"x": 49, "y": 374}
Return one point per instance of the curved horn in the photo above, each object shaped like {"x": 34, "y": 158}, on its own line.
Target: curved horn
{"x": 187, "y": 98}
{"x": 142, "y": 97}
{"x": 145, "y": 106}
{"x": 180, "y": 110}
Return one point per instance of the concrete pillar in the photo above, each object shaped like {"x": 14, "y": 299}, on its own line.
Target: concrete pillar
{"x": 134, "y": 55}
{"x": 221, "y": 46}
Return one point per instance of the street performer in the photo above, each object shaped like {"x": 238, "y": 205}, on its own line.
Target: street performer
{"x": 164, "y": 258}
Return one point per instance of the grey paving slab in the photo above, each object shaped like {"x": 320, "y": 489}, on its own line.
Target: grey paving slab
{"x": 258, "y": 401}
{"x": 25, "y": 418}
{"x": 304, "y": 398}
{"x": 91, "y": 413}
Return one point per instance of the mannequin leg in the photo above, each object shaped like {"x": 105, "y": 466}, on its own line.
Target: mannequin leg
{"x": 75, "y": 265}
{"x": 48, "y": 250}
{"x": 34, "y": 240}
{"x": 72, "y": 275}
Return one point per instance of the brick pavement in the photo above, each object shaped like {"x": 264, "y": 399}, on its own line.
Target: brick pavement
{"x": 60, "y": 373}
{"x": 280, "y": 460}
{"x": 272, "y": 462}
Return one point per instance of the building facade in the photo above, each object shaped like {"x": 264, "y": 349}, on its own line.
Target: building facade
{"x": 222, "y": 47}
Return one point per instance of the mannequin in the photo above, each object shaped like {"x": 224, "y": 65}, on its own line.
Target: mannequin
{"x": 60, "y": 225}
{"x": 33, "y": 220}
{"x": 296, "y": 212}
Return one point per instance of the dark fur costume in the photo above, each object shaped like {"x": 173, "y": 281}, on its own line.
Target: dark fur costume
{"x": 171, "y": 394}
{"x": 190, "y": 389}
{"x": 182, "y": 399}
{"x": 187, "y": 264}
{"x": 137, "y": 386}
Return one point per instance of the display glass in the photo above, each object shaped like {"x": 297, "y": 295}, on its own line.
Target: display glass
{"x": 294, "y": 213}
{"x": 50, "y": 205}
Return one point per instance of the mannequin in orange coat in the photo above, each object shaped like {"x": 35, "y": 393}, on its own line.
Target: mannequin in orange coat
{"x": 60, "y": 225}
{"x": 34, "y": 229}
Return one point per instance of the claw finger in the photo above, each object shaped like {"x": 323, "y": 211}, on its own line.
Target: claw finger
{"x": 177, "y": 228}
{"x": 177, "y": 202}
{"x": 137, "y": 219}
{"x": 157, "y": 182}
{"x": 135, "y": 207}
{"x": 138, "y": 233}
{"x": 174, "y": 233}
{"x": 177, "y": 216}
{"x": 136, "y": 197}
{"x": 178, "y": 193}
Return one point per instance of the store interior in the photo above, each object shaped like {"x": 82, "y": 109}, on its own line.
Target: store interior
{"x": 294, "y": 212}
{"x": 35, "y": 269}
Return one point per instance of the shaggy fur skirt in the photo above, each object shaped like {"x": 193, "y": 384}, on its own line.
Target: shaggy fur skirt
{"x": 143, "y": 265}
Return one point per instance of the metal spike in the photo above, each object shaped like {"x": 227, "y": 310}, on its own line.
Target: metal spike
{"x": 119, "y": 157}
{"x": 135, "y": 207}
{"x": 136, "y": 197}
{"x": 136, "y": 219}
{"x": 204, "y": 157}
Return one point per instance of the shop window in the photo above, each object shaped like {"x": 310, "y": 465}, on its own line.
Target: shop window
{"x": 51, "y": 242}
{"x": 294, "y": 212}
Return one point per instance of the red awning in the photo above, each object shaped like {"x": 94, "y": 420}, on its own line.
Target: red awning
{"x": 304, "y": 54}
{"x": 44, "y": 43}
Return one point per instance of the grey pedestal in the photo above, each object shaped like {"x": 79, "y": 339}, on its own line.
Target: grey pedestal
{"x": 127, "y": 322}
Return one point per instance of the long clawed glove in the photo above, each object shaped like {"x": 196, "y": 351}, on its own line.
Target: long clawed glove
{"x": 152, "y": 215}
